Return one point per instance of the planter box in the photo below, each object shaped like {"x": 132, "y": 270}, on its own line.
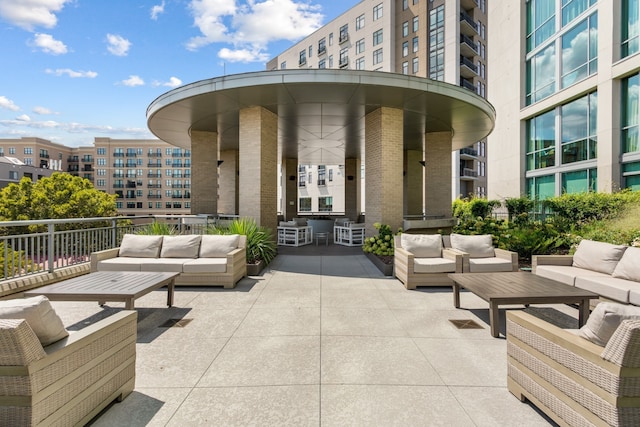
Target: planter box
{"x": 386, "y": 269}
{"x": 255, "y": 269}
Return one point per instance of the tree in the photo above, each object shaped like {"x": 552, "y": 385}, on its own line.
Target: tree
{"x": 59, "y": 196}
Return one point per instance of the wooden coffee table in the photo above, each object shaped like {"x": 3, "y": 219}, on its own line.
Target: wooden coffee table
{"x": 106, "y": 286}
{"x": 519, "y": 288}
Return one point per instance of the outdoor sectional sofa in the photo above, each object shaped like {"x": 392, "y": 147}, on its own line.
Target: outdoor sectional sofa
{"x": 612, "y": 271}
{"x": 210, "y": 260}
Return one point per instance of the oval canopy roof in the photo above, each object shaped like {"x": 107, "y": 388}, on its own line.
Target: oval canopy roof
{"x": 320, "y": 112}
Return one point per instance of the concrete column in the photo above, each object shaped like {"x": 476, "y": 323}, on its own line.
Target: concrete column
{"x": 437, "y": 177}
{"x": 290, "y": 188}
{"x": 384, "y": 161}
{"x": 228, "y": 182}
{"x": 413, "y": 182}
{"x": 204, "y": 172}
{"x": 352, "y": 188}
{"x": 259, "y": 166}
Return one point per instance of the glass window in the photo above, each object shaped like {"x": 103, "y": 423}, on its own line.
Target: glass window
{"x": 541, "y": 141}
{"x": 330, "y": 39}
{"x": 541, "y": 74}
{"x": 303, "y": 57}
{"x": 405, "y": 29}
{"x": 377, "y": 37}
{"x": 630, "y": 27}
{"x": 541, "y": 23}
{"x": 344, "y": 33}
{"x": 360, "y": 22}
{"x": 305, "y": 204}
{"x": 578, "y": 129}
{"x": 579, "y": 57}
{"x": 405, "y": 49}
{"x": 344, "y": 57}
{"x": 405, "y": 68}
{"x": 325, "y": 204}
{"x": 572, "y": 8}
{"x": 359, "y": 46}
{"x": 322, "y": 48}
{"x": 377, "y": 11}
{"x": 415, "y": 66}
{"x": 436, "y": 43}
{"x": 322, "y": 64}
{"x": 630, "y": 114}
{"x": 415, "y": 44}
{"x": 377, "y": 56}
{"x": 580, "y": 181}
{"x": 415, "y": 24}
{"x": 631, "y": 176}
{"x": 405, "y": 4}
{"x": 541, "y": 187}
{"x": 102, "y": 151}
{"x": 360, "y": 63}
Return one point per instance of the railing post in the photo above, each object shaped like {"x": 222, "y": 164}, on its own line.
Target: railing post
{"x": 50, "y": 245}
{"x": 114, "y": 230}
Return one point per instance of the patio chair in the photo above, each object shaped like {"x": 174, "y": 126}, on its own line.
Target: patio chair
{"x": 70, "y": 381}
{"x": 421, "y": 260}
{"x": 479, "y": 255}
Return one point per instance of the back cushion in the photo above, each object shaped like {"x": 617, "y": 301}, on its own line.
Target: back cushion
{"x": 422, "y": 245}
{"x": 139, "y": 246}
{"x": 598, "y": 256}
{"x": 40, "y": 316}
{"x": 605, "y": 319}
{"x": 214, "y": 246}
{"x": 180, "y": 246}
{"x": 629, "y": 265}
{"x": 480, "y": 246}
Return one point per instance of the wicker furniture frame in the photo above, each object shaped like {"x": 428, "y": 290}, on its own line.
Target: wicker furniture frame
{"x": 70, "y": 381}
{"x": 572, "y": 380}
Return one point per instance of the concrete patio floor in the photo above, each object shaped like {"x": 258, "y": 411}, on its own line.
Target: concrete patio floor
{"x": 315, "y": 341}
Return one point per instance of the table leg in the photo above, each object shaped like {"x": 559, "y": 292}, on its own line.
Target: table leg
{"x": 128, "y": 305}
{"x": 583, "y": 312}
{"x": 170, "y": 288}
{"x": 494, "y": 319}
{"x": 456, "y": 295}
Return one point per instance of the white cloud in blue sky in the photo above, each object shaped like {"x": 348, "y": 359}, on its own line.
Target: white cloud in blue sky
{"x": 47, "y": 44}
{"x": 30, "y": 14}
{"x": 156, "y": 10}
{"x": 72, "y": 73}
{"x": 8, "y": 104}
{"x": 118, "y": 45}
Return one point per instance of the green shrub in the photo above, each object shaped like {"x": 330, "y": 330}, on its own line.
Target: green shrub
{"x": 260, "y": 243}
{"x": 158, "y": 229}
{"x": 473, "y": 207}
{"x": 382, "y": 244}
{"x": 519, "y": 208}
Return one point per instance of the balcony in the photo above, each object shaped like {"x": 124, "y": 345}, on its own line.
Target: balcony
{"x": 467, "y": 68}
{"x": 468, "y": 153}
{"x": 302, "y": 62}
{"x": 118, "y": 154}
{"x": 154, "y": 185}
{"x": 468, "y": 47}
{"x": 467, "y": 174}
{"x": 73, "y": 159}
{"x": 44, "y": 156}
{"x": 118, "y": 175}
{"x": 88, "y": 168}
{"x": 344, "y": 62}
{"x": 467, "y": 84}
{"x": 130, "y": 154}
{"x": 154, "y": 154}
{"x": 73, "y": 168}
{"x": 118, "y": 185}
{"x": 344, "y": 37}
{"x": 154, "y": 175}
{"x": 131, "y": 164}
{"x": 176, "y": 165}
{"x": 322, "y": 50}
{"x": 468, "y": 26}
{"x": 176, "y": 196}
{"x": 87, "y": 159}
{"x": 469, "y": 4}
{"x": 176, "y": 155}
{"x": 153, "y": 164}
{"x": 131, "y": 175}
{"x": 118, "y": 164}
{"x": 154, "y": 196}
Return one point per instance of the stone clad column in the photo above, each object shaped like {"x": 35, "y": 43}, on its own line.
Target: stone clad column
{"x": 352, "y": 189}
{"x": 290, "y": 189}
{"x": 413, "y": 180}
{"x": 259, "y": 166}
{"x": 204, "y": 172}
{"x": 384, "y": 160}
{"x": 228, "y": 182}
{"x": 437, "y": 177}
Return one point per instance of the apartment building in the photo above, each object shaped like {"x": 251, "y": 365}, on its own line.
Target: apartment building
{"x": 150, "y": 177}
{"x": 13, "y": 170}
{"x": 565, "y": 89}
{"x": 443, "y": 40}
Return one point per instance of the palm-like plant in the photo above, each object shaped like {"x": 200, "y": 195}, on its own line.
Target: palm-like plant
{"x": 260, "y": 243}
{"x": 158, "y": 229}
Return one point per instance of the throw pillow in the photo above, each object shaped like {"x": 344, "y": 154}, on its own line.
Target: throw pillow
{"x": 480, "y": 246}
{"x": 629, "y": 265}
{"x": 140, "y": 246}
{"x": 598, "y": 256}
{"x": 40, "y": 316}
{"x": 605, "y": 319}
{"x": 216, "y": 246}
{"x": 186, "y": 246}
{"x": 422, "y": 245}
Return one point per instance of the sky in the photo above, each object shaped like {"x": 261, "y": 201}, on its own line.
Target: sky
{"x": 73, "y": 70}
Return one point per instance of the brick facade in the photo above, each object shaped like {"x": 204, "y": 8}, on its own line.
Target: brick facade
{"x": 204, "y": 194}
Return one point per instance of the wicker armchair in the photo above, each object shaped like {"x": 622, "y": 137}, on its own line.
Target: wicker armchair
{"x": 572, "y": 380}
{"x": 70, "y": 381}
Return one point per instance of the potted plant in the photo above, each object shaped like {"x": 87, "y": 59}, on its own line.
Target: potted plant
{"x": 261, "y": 248}
{"x": 379, "y": 249}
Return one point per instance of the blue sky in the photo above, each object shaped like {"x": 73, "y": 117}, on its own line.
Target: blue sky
{"x": 73, "y": 70}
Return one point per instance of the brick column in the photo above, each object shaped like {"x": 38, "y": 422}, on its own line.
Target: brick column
{"x": 413, "y": 183}
{"x": 352, "y": 189}
{"x": 204, "y": 177}
{"x": 437, "y": 177}
{"x": 383, "y": 160}
{"x": 259, "y": 166}
{"x": 290, "y": 188}
{"x": 228, "y": 182}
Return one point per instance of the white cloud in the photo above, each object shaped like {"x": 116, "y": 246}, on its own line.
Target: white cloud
{"x": 15, "y": 127}
{"x": 43, "y": 111}
{"x": 133, "y": 81}
{"x": 157, "y": 10}
{"x": 208, "y": 16}
{"x": 118, "y": 45}
{"x": 31, "y": 13}
{"x": 72, "y": 73}
{"x": 48, "y": 44}
{"x": 8, "y": 104}
{"x": 173, "y": 82}
{"x": 243, "y": 55}
{"x": 23, "y": 118}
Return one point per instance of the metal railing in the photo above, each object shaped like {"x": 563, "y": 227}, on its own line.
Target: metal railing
{"x": 42, "y": 246}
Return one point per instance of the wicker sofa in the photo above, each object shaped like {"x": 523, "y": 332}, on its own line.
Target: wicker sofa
{"x": 573, "y": 380}
{"x": 213, "y": 260}
{"x": 612, "y": 271}
{"x": 69, "y": 381}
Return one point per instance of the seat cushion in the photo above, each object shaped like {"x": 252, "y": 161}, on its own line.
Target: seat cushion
{"x": 205, "y": 265}
{"x": 489, "y": 265}
{"x": 565, "y": 273}
{"x": 140, "y": 246}
{"x": 214, "y": 246}
{"x": 480, "y": 246}
{"x": 434, "y": 265}
{"x": 605, "y": 319}
{"x": 164, "y": 265}
{"x": 40, "y": 316}
{"x": 598, "y": 256}
{"x": 422, "y": 245}
{"x": 634, "y": 294}
{"x": 629, "y": 265}
{"x": 121, "y": 264}
{"x": 607, "y": 286}
{"x": 187, "y": 246}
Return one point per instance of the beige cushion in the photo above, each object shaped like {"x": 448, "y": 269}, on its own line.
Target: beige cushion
{"x": 604, "y": 321}
{"x": 40, "y": 316}
{"x": 205, "y": 265}
{"x": 434, "y": 265}
{"x": 163, "y": 265}
{"x": 629, "y": 265}
{"x": 598, "y": 256}
{"x": 422, "y": 245}
{"x": 480, "y": 246}
{"x": 213, "y": 246}
{"x": 489, "y": 265}
{"x": 608, "y": 287}
{"x": 121, "y": 264}
{"x": 180, "y": 246}
{"x": 140, "y": 246}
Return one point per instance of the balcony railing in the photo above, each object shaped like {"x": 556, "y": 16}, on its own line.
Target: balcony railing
{"x": 469, "y": 173}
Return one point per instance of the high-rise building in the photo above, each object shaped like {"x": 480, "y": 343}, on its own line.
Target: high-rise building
{"x": 443, "y": 40}
{"x": 566, "y": 92}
